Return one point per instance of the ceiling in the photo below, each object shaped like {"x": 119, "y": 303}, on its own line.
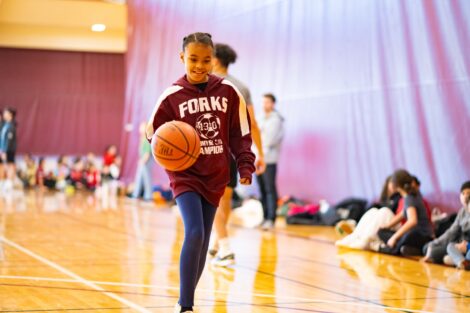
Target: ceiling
{"x": 63, "y": 24}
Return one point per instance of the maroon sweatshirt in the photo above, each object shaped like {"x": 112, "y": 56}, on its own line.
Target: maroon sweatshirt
{"x": 220, "y": 118}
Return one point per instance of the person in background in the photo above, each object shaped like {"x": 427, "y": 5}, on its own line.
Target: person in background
{"x": 459, "y": 233}
{"x": 389, "y": 197}
{"x": 40, "y": 173}
{"x": 62, "y": 172}
{"x": 143, "y": 180}
{"x": 92, "y": 176}
{"x": 28, "y": 173}
{"x": 8, "y": 149}
{"x": 364, "y": 236}
{"x": 76, "y": 177}
{"x": 220, "y": 245}
{"x": 410, "y": 237}
{"x": 272, "y": 133}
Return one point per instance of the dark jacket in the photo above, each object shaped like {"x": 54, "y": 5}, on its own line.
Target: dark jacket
{"x": 8, "y": 137}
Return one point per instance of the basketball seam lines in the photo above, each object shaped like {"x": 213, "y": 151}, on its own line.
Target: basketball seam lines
{"x": 174, "y": 146}
{"x": 187, "y": 143}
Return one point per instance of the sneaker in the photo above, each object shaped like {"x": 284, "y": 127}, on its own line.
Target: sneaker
{"x": 178, "y": 309}
{"x": 267, "y": 225}
{"x": 448, "y": 261}
{"x": 386, "y": 249}
{"x": 227, "y": 260}
{"x": 346, "y": 227}
{"x": 375, "y": 245}
{"x": 212, "y": 252}
{"x": 464, "y": 265}
{"x": 410, "y": 251}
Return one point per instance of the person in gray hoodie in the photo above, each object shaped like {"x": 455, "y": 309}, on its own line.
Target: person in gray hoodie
{"x": 272, "y": 133}
{"x": 436, "y": 251}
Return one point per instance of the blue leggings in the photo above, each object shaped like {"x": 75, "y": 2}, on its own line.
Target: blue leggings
{"x": 198, "y": 216}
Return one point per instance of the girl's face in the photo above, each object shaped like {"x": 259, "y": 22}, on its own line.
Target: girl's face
{"x": 197, "y": 60}
{"x": 391, "y": 189}
{"x": 464, "y": 198}
{"x": 112, "y": 150}
{"x": 7, "y": 116}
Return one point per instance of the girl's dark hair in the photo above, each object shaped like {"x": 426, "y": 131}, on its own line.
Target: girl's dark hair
{"x": 465, "y": 185}
{"x": 384, "y": 194}
{"x": 270, "y": 96}
{"x": 203, "y": 38}
{"x": 12, "y": 112}
{"x": 225, "y": 54}
{"x": 402, "y": 179}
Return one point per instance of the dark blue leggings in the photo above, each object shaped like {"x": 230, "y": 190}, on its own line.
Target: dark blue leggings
{"x": 198, "y": 216}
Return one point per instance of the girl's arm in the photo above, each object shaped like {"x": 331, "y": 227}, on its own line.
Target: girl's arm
{"x": 395, "y": 220}
{"x": 412, "y": 221}
{"x": 159, "y": 117}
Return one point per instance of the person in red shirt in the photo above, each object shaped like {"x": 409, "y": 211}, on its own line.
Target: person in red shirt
{"x": 215, "y": 108}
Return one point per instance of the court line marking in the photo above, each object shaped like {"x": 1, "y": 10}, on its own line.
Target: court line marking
{"x": 77, "y": 278}
{"x": 260, "y": 295}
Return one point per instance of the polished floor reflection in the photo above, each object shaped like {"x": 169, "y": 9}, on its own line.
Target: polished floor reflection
{"x": 71, "y": 253}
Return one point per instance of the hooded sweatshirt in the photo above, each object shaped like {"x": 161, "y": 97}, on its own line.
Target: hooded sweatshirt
{"x": 219, "y": 115}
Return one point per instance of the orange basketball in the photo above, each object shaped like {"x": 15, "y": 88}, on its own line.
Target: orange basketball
{"x": 176, "y": 146}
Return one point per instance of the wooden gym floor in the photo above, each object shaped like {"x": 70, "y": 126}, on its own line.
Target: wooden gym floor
{"x": 66, "y": 254}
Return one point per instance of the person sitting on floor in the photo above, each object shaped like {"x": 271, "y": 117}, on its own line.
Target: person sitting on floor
{"x": 410, "y": 237}
{"x": 376, "y": 217}
{"x": 436, "y": 251}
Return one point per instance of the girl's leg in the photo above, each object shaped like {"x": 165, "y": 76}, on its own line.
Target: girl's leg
{"x": 208, "y": 211}
{"x": 455, "y": 254}
{"x": 190, "y": 205}
{"x": 412, "y": 243}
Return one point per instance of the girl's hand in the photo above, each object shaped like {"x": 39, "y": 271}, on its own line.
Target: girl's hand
{"x": 392, "y": 242}
{"x": 245, "y": 181}
{"x": 427, "y": 257}
{"x": 260, "y": 166}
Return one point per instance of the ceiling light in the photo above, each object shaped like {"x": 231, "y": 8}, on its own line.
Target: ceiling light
{"x": 98, "y": 27}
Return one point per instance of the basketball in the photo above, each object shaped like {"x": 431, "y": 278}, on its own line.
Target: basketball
{"x": 176, "y": 146}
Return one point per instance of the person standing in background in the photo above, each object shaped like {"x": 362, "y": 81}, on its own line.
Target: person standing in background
{"x": 143, "y": 181}
{"x": 272, "y": 132}
{"x": 220, "y": 248}
{"x": 8, "y": 148}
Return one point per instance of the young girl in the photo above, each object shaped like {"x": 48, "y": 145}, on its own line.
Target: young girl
{"x": 417, "y": 230}
{"x": 215, "y": 108}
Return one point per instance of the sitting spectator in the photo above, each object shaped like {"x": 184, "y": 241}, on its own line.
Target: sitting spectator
{"x": 416, "y": 185}
{"x": 40, "y": 173}
{"x": 459, "y": 232}
{"x": 365, "y": 233}
{"x": 44, "y": 178}
{"x": 389, "y": 197}
{"x": 62, "y": 172}
{"x": 76, "y": 177}
{"x": 92, "y": 176}
{"x": 410, "y": 237}
{"x": 28, "y": 174}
